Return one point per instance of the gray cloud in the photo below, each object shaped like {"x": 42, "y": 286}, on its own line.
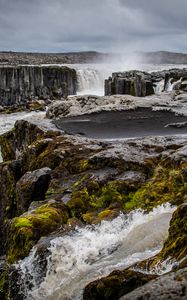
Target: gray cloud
{"x": 103, "y": 25}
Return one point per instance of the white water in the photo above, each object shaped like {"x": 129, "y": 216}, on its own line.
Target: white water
{"x": 94, "y": 251}
{"x": 170, "y": 86}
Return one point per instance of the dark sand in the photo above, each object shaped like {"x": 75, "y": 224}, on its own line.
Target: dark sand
{"x": 124, "y": 124}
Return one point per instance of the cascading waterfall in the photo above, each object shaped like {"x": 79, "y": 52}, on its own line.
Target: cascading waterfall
{"x": 159, "y": 87}
{"x": 171, "y": 85}
{"x": 90, "y": 81}
{"x": 93, "y": 251}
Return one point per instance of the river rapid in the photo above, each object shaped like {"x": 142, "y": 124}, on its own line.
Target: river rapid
{"x": 94, "y": 251}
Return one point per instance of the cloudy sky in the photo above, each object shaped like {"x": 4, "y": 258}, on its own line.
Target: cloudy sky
{"x": 102, "y": 25}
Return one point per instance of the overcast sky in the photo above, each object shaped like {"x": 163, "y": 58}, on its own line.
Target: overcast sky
{"x": 101, "y": 25}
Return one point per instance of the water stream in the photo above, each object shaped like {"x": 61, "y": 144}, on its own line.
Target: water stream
{"x": 94, "y": 251}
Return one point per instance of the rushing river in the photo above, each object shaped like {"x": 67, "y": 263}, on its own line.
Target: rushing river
{"x": 93, "y": 251}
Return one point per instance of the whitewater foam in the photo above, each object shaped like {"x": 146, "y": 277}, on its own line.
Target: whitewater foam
{"x": 93, "y": 251}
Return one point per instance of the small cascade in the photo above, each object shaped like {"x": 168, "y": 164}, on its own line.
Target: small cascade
{"x": 170, "y": 86}
{"x": 94, "y": 251}
{"x": 159, "y": 87}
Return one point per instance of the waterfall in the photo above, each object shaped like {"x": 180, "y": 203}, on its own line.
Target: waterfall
{"x": 90, "y": 81}
{"x": 171, "y": 85}
{"x": 159, "y": 87}
{"x": 93, "y": 251}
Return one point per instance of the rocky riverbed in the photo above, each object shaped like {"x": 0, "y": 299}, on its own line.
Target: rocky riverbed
{"x": 84, "y": 218}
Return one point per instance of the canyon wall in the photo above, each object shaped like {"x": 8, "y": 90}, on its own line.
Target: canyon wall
{"x": 18, "y": 84}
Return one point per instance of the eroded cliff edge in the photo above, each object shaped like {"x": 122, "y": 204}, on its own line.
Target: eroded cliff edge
{"x": 19, "y": 84}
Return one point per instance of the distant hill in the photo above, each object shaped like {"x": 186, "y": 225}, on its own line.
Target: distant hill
{"x": 159, "y": 57}
{"x": 164, "y": 57}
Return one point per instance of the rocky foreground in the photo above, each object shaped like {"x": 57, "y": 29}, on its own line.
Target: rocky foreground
{"x": 52, "y": 182}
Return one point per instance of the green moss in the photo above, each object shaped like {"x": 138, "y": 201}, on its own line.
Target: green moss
{"x": 176, "y": 243}
{"x": 115, "y": 285}
{"x": 166, "y": 185}
{"x": 79, "y": 203}
{"x": 22, "y": 222}
{"x": 26, "y": 230}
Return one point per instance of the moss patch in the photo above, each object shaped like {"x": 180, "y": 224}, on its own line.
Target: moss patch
{"x": 25, "y": 231}
{"x": 166, "y": 185}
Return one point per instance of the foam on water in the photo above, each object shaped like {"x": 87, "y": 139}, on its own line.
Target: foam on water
{"x": 93, "y": 251}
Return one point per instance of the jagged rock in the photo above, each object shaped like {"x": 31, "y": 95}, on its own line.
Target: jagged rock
{"x": 9, "y": 174}
{"x": 115, "y": 285}
{"x": 32, "y": 187}
{"x": 134, "y": 83}
{"x": 170, "y": 286}
{"x": 176, "y": 77}
{"x": 19, "y": 84}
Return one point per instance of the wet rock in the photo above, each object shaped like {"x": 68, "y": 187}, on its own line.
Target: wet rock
{"x": 170, "y": 286}
{"x": 32, "y": 187}
{"x": 24, "y": 231}
{"x": 175, "y": 247}
{"x": 176, "y": 243}
{"x": 115, "y": 285}
{"x": 176, "y": 78}
{"x": 18, "y": 84}
{"x": 8, "y": 177}
{"x": 133, "y": 83}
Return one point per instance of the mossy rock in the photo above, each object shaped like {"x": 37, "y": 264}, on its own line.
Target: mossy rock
{"x": 79, "y": 203}
{"x": 115, "y": 285}
{"x": 96, "y": 217}
{"x": 176, "y": 243}
{"x": 175, "y": 246}
{"x": 25, "y": 231}
{"x": 166, "y": 185}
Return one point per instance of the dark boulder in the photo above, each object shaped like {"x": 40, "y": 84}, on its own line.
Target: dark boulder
{"x": 115, "y": 285}
{"x": 32, "y": 187}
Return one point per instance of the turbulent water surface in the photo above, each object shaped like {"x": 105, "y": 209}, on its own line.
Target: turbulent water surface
{"x": 93, "y": 251}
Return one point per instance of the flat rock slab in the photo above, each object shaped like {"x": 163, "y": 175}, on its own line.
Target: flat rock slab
{"x": 124, "y": 124}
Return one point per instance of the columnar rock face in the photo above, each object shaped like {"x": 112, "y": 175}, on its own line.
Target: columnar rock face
{"x": 18, "y": 84}
{"x": 133, "y": 83}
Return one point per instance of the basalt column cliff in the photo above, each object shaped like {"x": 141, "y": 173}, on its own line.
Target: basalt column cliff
{"x": 19, "y": 84}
